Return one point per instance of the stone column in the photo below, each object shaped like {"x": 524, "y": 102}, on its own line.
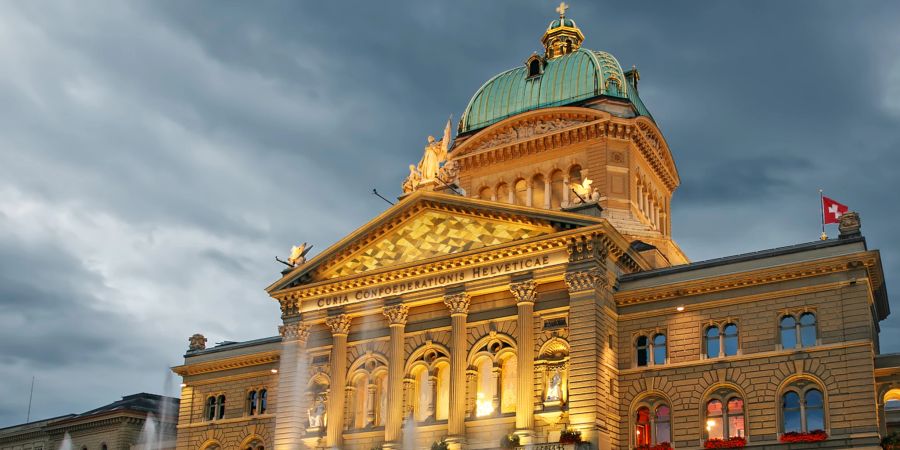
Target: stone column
{"x": 471, "y": 389}
{"x": 433, "y": 385}
{"x": 371, "y": 404}
{"x": 340, "y": 327}
{"x": 566, "y": 189}
{"x": 547, "y": 193}
{"x": 396, "y": 316}
{"x": 291, "y": 416}
{"x": 456, "y": 423}
{"x": 525, "y": 296}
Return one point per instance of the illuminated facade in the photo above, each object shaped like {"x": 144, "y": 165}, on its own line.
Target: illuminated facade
{"x": 526, "y": 287}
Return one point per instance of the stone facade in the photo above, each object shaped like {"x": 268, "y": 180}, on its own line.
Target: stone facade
{"x": 116, "y": 426}
{"x": 504, "y": 307}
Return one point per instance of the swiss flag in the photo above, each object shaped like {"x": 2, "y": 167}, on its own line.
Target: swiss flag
{"x": 833, "y": 210}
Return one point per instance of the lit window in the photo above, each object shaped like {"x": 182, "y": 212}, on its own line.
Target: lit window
{"x": 484, "y": 396}
{"x": 663, "y": 424}
{"x": 508, "y": 376}
{"x": 642, "y": 427}
{"x": 652, "y": 423}
{"x": 725, "y": 417}
{"x": 715, "y": 420}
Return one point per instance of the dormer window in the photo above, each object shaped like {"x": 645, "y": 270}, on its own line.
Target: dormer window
{"x": 535, "y": 66}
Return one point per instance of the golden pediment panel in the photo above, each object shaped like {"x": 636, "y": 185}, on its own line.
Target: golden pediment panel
{"x": 432, "y": 233}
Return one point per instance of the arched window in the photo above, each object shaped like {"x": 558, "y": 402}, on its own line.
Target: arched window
{"x": 360, "y": 395}
{"x": 503, "y": 193}
{"x": 263, "y": 400}
{"x": 508, "y": 377}
{"x": 484, "y": 394}
{"x": 442, "y": 406}
{"x": 712, "y": 342}
{"x": 211, "y": 408}
{"x": 575, "y": 174}
{"x": 807, "y": 329}
{"x": 643, "y": 351}
{"x": 659, "y": 349}
{"x": 534, "y": 68}
{"x": 652, "y": 423}
{"x": 788, "y": 332}
{"x": 538, "y": 194}
{"x": 103, "y": 446}
{"x": 421, "y": 407}
{"x": 803, "y": 408}
{"x": 725, "y": 419}
{"x": 220, "y": 405}
{"x": 730, "y": 339}
{"x": 557, "y": 187}
{"x": 251, "y": 403}
{"x": 521, "y": 192}
{"x": 485, "y": 193}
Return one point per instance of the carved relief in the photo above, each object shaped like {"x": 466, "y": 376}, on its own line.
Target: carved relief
{"x": 339, "y": 324}
{"x": 617, "y": 157}
{"x": 524, "y": 291}
{"x": 457, "y": 303}
{"x": 526, "y": 130}
{"x": 585, "y": 280}
{"x": 294, "y": 331}
{"x": 196, "y": 342}
{"x": 396, "y": 314}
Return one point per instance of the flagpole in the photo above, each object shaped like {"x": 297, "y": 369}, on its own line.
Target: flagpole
{"x": 822, "y": 214}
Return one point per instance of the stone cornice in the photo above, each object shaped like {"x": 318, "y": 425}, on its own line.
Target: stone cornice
{"x": 592, "y": 124}
{"x": 218, "y": 365}
{"x": 603, "y": 232}
{"x": 718, "y": 283}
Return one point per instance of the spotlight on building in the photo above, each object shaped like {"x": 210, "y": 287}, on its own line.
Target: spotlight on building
{"x": 679, "y": 308}
{"x": 274, "y": 370}
{"x": 183, "y": 385}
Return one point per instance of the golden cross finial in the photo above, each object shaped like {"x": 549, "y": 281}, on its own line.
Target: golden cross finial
{"x": 562, "y": 9}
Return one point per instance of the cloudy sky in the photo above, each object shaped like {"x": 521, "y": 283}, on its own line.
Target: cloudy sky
{"x": 155, "y": 156}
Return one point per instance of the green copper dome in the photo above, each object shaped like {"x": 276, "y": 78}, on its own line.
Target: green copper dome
{"x": 563, "y": 80}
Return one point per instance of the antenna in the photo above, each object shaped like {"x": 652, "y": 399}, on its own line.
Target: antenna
{"x": 30, "y": 396}
{"x": 448, "y": 186}
{"x": 375, "y": 191}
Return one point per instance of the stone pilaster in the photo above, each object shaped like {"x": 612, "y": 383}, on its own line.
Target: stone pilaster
{"x": 291, "y": 417}
{"x": 525, "y": 293}
{"x": 592, "y": 410}
{"x": 458, "y": 304}
{"x": 396, "y": 316}
{"x": 340, "y": 328}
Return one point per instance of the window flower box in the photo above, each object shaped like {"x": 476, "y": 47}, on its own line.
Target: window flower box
{"x": 812, "y": 436}
{"x": 735, "y": 442}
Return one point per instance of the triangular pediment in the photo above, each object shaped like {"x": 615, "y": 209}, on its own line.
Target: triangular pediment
{"x": 426, "y": 226}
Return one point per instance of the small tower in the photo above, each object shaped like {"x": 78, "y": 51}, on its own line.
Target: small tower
{"x": 562, "y": 36}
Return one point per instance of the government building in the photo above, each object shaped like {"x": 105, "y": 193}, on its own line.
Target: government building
{"x": 525, "y": 291}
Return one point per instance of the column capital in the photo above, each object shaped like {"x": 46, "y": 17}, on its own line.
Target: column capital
{"x": 340, "y": 325}
{"x": 290, "y": 307}
{"x": 457, "y": 303}
{"x": 295, "y": 331}
{"x": 524, "y": 291}
{"x": 585, "y": 280}
{"x": 396, "y": 314}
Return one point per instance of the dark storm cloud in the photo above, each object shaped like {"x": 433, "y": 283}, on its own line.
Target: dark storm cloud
{"x": 154, "y": 156}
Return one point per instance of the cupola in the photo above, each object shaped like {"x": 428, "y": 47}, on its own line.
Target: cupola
{"x": 562, "y": 36}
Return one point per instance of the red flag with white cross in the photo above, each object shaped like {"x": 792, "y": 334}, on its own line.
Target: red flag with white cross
{"x": 832, "y": 210}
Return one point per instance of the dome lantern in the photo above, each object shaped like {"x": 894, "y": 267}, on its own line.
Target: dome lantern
{"x": 562, "y": 36}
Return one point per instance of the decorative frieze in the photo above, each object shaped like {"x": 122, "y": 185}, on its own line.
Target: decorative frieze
{"x": 457, "y": 303}
{"x": 524, "y": 291}
{"x": 339, "y": 325}
{"x": 396, "y": 314}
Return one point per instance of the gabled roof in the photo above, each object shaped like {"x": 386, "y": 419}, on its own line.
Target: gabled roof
{"x": 427, "y": 225}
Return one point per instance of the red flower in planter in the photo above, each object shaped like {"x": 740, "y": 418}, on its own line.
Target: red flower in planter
{"x": 660, "y": 446}
{"x": 812, "y": 436}
{"x": 735, "y": 442}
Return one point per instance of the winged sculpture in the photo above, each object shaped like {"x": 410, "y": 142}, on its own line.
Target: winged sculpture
{"x": 583, "y": 190}
{"x": 298, "y": 254}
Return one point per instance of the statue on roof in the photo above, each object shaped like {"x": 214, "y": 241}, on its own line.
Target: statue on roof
{"x": 433, "y": 158}
{"x": 298, "y": 254}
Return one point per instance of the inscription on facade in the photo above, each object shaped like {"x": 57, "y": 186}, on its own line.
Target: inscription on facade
{"x": 433, "y": 281}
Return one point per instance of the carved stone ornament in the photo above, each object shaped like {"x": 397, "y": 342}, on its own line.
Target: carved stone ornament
{"x": 527, "y": 130}
{"x": 849, "y": 225}
{"x": 289, "y": 308}
{"x": 524, "y": 291}
{"x": 396, "y": 314}
{"x": 457, "y": 303}
{"x": 196, "y": 342}
{"x": 298, "y": 331}
{"x": 585, "y": 280}
{"x": 339, "y": 324}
